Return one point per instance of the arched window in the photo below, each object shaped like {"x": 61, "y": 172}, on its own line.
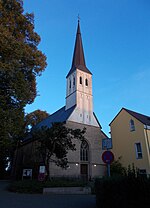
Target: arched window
{"x": 84, "y": 151}
{"x": 132, "y": 126}
{"x": 70, "y": 83}
{"x": 86, "y": 82}
{"x": 80, "y": 80}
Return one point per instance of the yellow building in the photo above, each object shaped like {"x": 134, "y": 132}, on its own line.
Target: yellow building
{"x": 130, "y": 132}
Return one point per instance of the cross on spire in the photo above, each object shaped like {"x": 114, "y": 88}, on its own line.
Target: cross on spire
{"x": 79, "y": 18}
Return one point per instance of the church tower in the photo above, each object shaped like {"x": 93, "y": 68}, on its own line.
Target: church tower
{"x": 79, "y": 87}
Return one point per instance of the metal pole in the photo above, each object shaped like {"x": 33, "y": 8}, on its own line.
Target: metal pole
{"x": 108, "y": 170}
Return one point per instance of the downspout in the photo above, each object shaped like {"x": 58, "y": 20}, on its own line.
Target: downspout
{"x": 147, "y": 139}
{"x": 147, "y": 142}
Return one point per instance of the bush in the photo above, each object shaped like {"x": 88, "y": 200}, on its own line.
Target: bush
{"x": 34, "y": 186}
{"x": 117, "y": 169}
{"x": 124, "y": 192}
{"x": 26, "y": 186}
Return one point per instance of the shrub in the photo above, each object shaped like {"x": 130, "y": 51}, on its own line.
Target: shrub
{"x": 124, "y": 192}
{"x": 117, "y": 169}
{"x": 26, "y": 186}
{"x": 34, "y": 186}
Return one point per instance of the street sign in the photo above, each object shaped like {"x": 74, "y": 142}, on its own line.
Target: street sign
{"x": 108, "y": 157}
{"x": 42, "y": 169}
{"x": 106, "y": 143}
{"x": 41, "y": 176}
{"x": 27, "y": 173}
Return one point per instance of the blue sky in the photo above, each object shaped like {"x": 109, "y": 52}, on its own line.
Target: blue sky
{"x": 116, "y": 40}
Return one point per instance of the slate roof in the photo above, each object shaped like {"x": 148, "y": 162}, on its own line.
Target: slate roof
{"x": 78, "y": 60}
{"x": 142, "y": 118}
{"x": 59, "y": 116}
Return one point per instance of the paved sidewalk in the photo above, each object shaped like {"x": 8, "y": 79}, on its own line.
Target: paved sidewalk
{"x": 16, "y": 200}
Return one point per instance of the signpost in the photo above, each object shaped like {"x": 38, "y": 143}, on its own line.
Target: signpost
{"x": 107, "y": 156}
{"x": 106, "y": 143}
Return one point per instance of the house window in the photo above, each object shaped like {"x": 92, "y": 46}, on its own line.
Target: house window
{"x": 132, "y": 126}
{"x": 84, "y": 151}
{"x": 138, "y": 150}
{"x": 86, "y": 82}
{"x": 80, "y": 80}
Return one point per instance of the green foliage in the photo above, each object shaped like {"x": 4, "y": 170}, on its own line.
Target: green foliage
{"x": 116, "y": 168}
{"x": 33, "y": 186}
{"x": 131, "y": 171}
{"x": 55, "y": 142}
{"x": 26, "y": 186}
{"x": 20, "y": 63}
{"x": 116, "y": 192}
{"x": 31, "y": 119}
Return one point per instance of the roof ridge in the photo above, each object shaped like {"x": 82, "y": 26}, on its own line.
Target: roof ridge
{"x": 140, "y": 117}
{"x": 135, "y": 112}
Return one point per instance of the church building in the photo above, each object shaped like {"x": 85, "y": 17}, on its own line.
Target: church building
{"x": 78, "y": 113}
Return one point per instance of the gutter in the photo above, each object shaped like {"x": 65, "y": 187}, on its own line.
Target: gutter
{"x": 146, "y": 128}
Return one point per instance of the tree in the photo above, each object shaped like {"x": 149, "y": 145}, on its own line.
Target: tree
{"x": 31, "y": 119}
{"x": 20, "y": 63}
{"x": 55, "y": 142}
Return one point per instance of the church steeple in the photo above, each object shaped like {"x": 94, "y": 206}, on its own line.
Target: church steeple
{"x": 79, "y": 87}
{"x": 78, "y": 60}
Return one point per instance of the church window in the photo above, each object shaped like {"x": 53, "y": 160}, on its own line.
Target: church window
{"x": 132, "y": 126}
{"x": 80, "y": 80}
{"x": 84, "y": 151}
{"x": 86, "y": 82}
{"x": 70, "y": 83}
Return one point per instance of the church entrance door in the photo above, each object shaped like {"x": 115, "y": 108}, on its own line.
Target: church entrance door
{"x": 84, "y": 171}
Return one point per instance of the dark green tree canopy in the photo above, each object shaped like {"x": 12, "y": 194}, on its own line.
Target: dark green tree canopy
{"x": 20, "y": 63}
{"x": 55, "y": 142}
{"x": 31, "y": 119}
{"x": 20, "y": 60}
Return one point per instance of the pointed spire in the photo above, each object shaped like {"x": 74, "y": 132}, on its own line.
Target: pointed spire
{"x": 78, "y": 56}
{"x": 78, "y": 60}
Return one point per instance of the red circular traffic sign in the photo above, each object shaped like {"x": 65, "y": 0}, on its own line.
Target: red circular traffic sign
{"x": 108, "y": 157}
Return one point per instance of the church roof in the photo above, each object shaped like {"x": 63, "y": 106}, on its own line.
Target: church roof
{"x": 78, "y": 60}
{"x": 59, "y": 116}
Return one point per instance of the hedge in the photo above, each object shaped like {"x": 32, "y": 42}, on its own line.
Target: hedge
{"x": 122, "y": 192}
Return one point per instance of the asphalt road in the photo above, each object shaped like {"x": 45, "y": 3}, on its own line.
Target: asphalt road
{"x": 16, "y": 200}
